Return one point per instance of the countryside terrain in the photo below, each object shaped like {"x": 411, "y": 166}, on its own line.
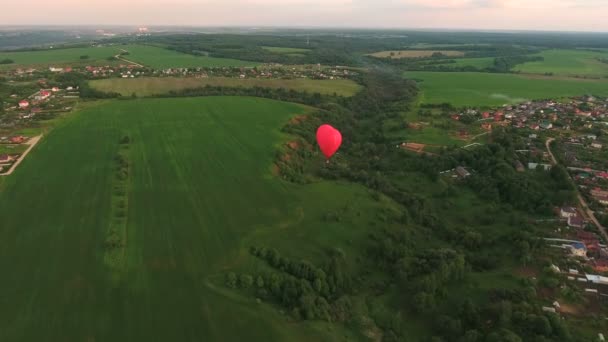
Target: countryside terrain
{"x": 177, "y": 192}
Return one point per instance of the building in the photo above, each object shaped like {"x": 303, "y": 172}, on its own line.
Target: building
{"x": 54, "y": 89}
{"x": 546, "y": 125}
{"x": 534, "y": 166}
{"x": 576, "y": 222}
{"x": 596, "y": 145}
{"x": 462, "y": 172}
{"x": 17, "y": 139}
{"x": 578, "y": 249}
{"x": 23, "y": 104}
{"x": 600, "y": 265}
{"x": 5, "y": 158}
{"x": 567, "y": 212}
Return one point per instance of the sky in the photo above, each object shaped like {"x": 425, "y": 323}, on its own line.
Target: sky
{"x": 551, "y": 15}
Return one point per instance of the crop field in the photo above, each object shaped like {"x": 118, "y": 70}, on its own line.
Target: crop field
{"x": 151, "y": 86}
{"x": 160, "y": 58}
{"x": 285, "y": 50}
{"x": 568, "y": 63}
{"x": 484, "y": 89}
{"x": 60, "y": 56}
{"x": 200, "y": 191}
{"x": 416, "y": 53}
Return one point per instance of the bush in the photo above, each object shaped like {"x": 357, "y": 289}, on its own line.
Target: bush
{"x": 7, "y": 61}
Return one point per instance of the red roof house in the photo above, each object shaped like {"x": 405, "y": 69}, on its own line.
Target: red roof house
{"x": 23, "y": 104}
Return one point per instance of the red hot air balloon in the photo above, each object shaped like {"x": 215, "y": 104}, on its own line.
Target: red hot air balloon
{"x": 329, "y": 140}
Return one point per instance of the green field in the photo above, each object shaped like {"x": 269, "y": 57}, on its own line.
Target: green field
{"x": 161, "y": 58}
{"x": 481, "y": 63}
{"x": 200, "y": 192}
{"x": 567, "y": 62}
{"x": 484, "y": 89}
{"x": 285, "y": 50}
{"x": 60, "y": 56}
{"x": 151, "y": 86}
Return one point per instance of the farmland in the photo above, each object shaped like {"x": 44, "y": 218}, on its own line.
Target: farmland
{"x": 161, "y": 58}
{"x": 60, "y": 56}
{"x": 151, "y": 86}
{"x": 567, "y": 62}
{"x": 483, "y": 89}
{"x": 396, "y": 54}
{"x": 152, "y": 56}
{"x": 285, "y": 50}
{"x": 200, "y": 192}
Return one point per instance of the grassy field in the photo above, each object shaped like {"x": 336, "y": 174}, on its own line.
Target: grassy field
{"x": 200, "y": 192}
{"x": 151, "y": 86}
{"x": 483, "y": 89}
{"x": 480, "y": 63}
{"x": 567, "y": 62}
{"x": 160, "y": 58}
{"x": 60, "y": 56}
{"x": 415, "y": 53}
{"x": 285, "y": 50}
{"x": 152, "y": 56}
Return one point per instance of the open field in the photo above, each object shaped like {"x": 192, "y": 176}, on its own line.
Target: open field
{"x": 483, "y": 89}
{"x": 200, "y": 192}
{"x": 60, "y": 56}
{"x": 567, "y": 62}
{"x": 285, "y": 50}
{"x": 160, "y": 58}
{"x": 151, "y": 86}
{"x": 480, "y": 63}
{"x": 416, "y": 53}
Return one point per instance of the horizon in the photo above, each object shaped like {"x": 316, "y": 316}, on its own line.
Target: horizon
{"x": 475, "y": 15}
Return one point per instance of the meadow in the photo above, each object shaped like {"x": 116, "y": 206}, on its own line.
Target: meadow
{"x": 396, "y": 54}
{"x": 200, "y": 192}
{"x": 485, "y": 89}
{"x": 568, "y": 63}
{"x": 160, "y": 58}
{"x": 152, "y": 86}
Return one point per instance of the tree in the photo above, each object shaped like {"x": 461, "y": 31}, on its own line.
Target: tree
{"x": 84, "y": 57}
{"x": 259, "y": 282}
{"x": 231, "y": 280}
{"x": 7, "y": 61}
{"x": 246, "y": 281}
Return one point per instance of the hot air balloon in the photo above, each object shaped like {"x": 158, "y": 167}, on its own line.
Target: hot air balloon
{"x": 329, "y": 140}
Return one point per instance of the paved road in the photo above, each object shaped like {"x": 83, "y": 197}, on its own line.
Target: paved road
{"x": 32, "y": 142}
{"x": 586, "y": 210}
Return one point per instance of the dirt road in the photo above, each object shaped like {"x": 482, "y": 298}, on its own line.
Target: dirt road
{"x": 119, "y": 56}
{"x": 32, "y": 142}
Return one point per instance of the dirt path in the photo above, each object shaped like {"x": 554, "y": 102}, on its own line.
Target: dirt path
{"x": 587, "y": 212}
{"x": 32, "y": 142}
{"x": 126, "y": 60}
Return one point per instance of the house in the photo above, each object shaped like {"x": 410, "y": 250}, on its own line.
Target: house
{"x": 23, "y": 104}
{"x": 596, "y": 145}
{"x": 54, "y": 89}
{"x": 600, "y": 265}
{"x": 546, "y": 125}
{"x": 534, "y": 166}
{"x": 578, "y": 249}
{"x": 5, "y": 158}
{"x": 462, "y": 172}
{"x": 567, "y": 212}
{"x": 591, "y": 136}
{"x": 17, "y": 139}
{"x": 602, "y": 199}
{"x": 485, "y": 115}
{"x": 53, "y": 69}
{"x": 45, "y": 94}
{"x": 486, "y": 126}
{"x": 576, "y": 222}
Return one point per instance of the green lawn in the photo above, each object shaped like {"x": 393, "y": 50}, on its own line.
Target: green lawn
{"x": 285, "y": 50}
{"x": 200, "y": 192}
{"x": 151, "y": 86}
{"x": 157, "y": 57}
{"x": 485, "y": 89}
{"x": 567, "y": 62}
{"x": 60, "y": 56}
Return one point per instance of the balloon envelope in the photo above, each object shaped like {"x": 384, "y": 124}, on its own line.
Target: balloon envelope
{"x": 329, "y": 140}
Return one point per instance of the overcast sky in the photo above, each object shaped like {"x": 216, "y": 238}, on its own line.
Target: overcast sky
{"x": 569, "y": 15}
